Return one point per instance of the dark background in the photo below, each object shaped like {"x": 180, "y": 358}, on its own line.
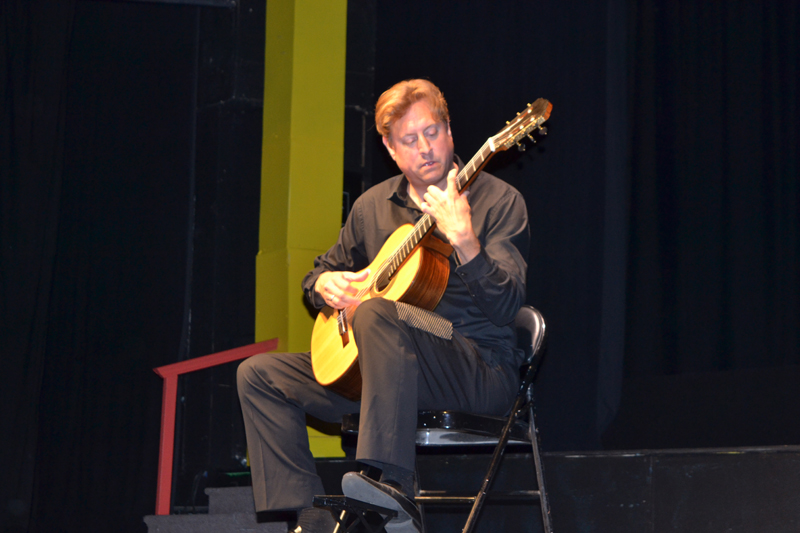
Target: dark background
{"x": 663, "y": 210}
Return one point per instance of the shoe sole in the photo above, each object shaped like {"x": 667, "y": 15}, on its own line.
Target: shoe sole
{"x": 358, "y": 488}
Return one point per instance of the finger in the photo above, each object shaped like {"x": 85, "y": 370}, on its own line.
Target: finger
{"x": 336, "y": 302}
{"x": 428, "y": 210}
{"x": 343, "y": 288}
{"x": 452, "y": 183}
{"x": 434, "y": 194}
{"x": 340, "y": 284}
{"x": 349, "y": 278}
{"x": 357, "y": 276}
{"x": 340, "y": 302}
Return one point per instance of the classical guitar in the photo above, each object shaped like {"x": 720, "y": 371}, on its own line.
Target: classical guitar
{"x": 411, "y": 267}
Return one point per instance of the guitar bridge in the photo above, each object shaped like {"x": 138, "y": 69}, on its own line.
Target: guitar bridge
{"x": 341, "y": 322}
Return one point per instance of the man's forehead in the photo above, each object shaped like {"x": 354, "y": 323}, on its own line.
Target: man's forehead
{"x": 418, "y": 116}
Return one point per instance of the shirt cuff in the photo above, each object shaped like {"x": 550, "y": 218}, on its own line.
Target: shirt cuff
{"x": 317, "y": 300}
{"x": 475, "y": 269}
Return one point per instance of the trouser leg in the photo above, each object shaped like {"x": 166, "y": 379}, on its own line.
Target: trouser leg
{"x": 276, "y": 390}
{"x": 405, "y": 369}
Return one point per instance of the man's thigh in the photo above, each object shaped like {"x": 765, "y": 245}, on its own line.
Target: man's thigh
{"x": 456, "y": 374}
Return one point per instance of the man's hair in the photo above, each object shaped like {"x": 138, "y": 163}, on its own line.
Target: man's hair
{"x": 394, "y": 103}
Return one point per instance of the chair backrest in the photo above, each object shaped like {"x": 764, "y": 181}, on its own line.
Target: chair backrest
{"x": 531, "y": 336}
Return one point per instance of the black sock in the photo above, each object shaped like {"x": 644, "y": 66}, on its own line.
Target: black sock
{"x": 400, "y": 476}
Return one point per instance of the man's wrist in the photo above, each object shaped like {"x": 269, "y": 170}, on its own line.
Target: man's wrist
{"x": 467, "y": 248}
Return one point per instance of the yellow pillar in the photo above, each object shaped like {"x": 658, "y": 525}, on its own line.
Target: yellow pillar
{"x": 302, "y": 165}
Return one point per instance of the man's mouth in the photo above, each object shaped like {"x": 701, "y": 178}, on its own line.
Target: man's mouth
{"x": 428, "y": 164}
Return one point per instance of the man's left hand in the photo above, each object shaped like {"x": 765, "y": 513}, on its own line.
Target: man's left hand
{"x": 453, "y": 216}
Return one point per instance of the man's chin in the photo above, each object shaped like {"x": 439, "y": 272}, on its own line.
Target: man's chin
{"x": 433, "y": 174}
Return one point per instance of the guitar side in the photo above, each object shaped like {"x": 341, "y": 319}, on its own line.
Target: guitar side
{"x": 420, "y": 281}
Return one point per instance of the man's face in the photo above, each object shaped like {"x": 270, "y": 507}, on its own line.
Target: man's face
{"x": 422, "y": 147}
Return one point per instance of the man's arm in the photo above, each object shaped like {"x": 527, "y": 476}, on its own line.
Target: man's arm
{"x": 334, "y": 270}
{"x": 493, "y": 271}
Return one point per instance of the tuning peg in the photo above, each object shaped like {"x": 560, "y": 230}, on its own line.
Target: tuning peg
{"x": 520, "y": 147}
{"x": 531, "y": 138}
{"x": 542, "y": 130}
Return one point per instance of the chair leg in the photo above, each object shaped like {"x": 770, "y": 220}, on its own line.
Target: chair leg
{"x": 537, "y": 462}
{"x": 497, "y": 457}
{"x": 494, "y": 465}
{"x": 371, "y": 518}
{"x": 420, "y": 505}
{"x": 340, "y": 523}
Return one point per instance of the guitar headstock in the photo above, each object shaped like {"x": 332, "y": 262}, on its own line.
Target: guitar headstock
{"x": 532, "y": 117}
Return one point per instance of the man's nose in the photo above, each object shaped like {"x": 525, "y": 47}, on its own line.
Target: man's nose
{"x": 424, "y": 145}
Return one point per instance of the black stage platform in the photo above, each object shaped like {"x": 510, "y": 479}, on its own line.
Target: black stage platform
{"x": 731, "y": 490}
{"x": 752, "y": 490}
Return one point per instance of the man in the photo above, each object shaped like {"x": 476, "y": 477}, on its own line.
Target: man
{"x": 462, "y": 356}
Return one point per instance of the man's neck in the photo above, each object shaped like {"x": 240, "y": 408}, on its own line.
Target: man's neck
{"x": 414, "y": 194}
{"x": 417, "y": 195}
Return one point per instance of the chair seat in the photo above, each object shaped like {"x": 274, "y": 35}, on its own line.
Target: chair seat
{"x": 448, "y": 428}
{"x": 454, "y": 428}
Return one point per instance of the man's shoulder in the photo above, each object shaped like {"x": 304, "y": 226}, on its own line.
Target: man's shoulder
{"x": 380, "y": 191}
{"x": 492, "y": 188}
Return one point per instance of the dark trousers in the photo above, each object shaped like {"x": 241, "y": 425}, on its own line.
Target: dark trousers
{"x": 403, "y": 368}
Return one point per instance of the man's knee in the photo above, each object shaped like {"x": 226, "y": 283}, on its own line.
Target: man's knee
{"x": 251, "y": 372}
{"x": 244, "y": 375}
{"x": 374, "y": 312}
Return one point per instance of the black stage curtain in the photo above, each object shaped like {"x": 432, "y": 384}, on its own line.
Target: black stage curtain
{"x": 714, "y": 257}
{"x": 97, "y": 117}
{"x": 713, "y": 292}
{"x": 35, "y": 38}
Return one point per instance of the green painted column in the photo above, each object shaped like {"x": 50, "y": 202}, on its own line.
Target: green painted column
{"x": 302, "y": 166}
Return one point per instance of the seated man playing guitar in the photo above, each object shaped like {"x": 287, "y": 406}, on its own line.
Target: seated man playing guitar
{"x": 457, "y": 354}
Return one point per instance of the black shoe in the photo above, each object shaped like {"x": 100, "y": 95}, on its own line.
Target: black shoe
{"x": 313, "y": 520}
{"x": 360, "y": 487}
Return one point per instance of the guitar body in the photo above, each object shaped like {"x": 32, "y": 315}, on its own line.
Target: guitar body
{"x": 420, "y": 281}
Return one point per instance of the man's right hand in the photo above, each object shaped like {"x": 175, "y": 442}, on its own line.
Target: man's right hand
{"x": 336, "y": 288}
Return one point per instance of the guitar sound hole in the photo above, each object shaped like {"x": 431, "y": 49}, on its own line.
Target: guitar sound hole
{"x": 382, "y": 282}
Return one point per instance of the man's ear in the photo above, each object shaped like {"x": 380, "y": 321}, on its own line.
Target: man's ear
{"x": 388, "y": 144}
